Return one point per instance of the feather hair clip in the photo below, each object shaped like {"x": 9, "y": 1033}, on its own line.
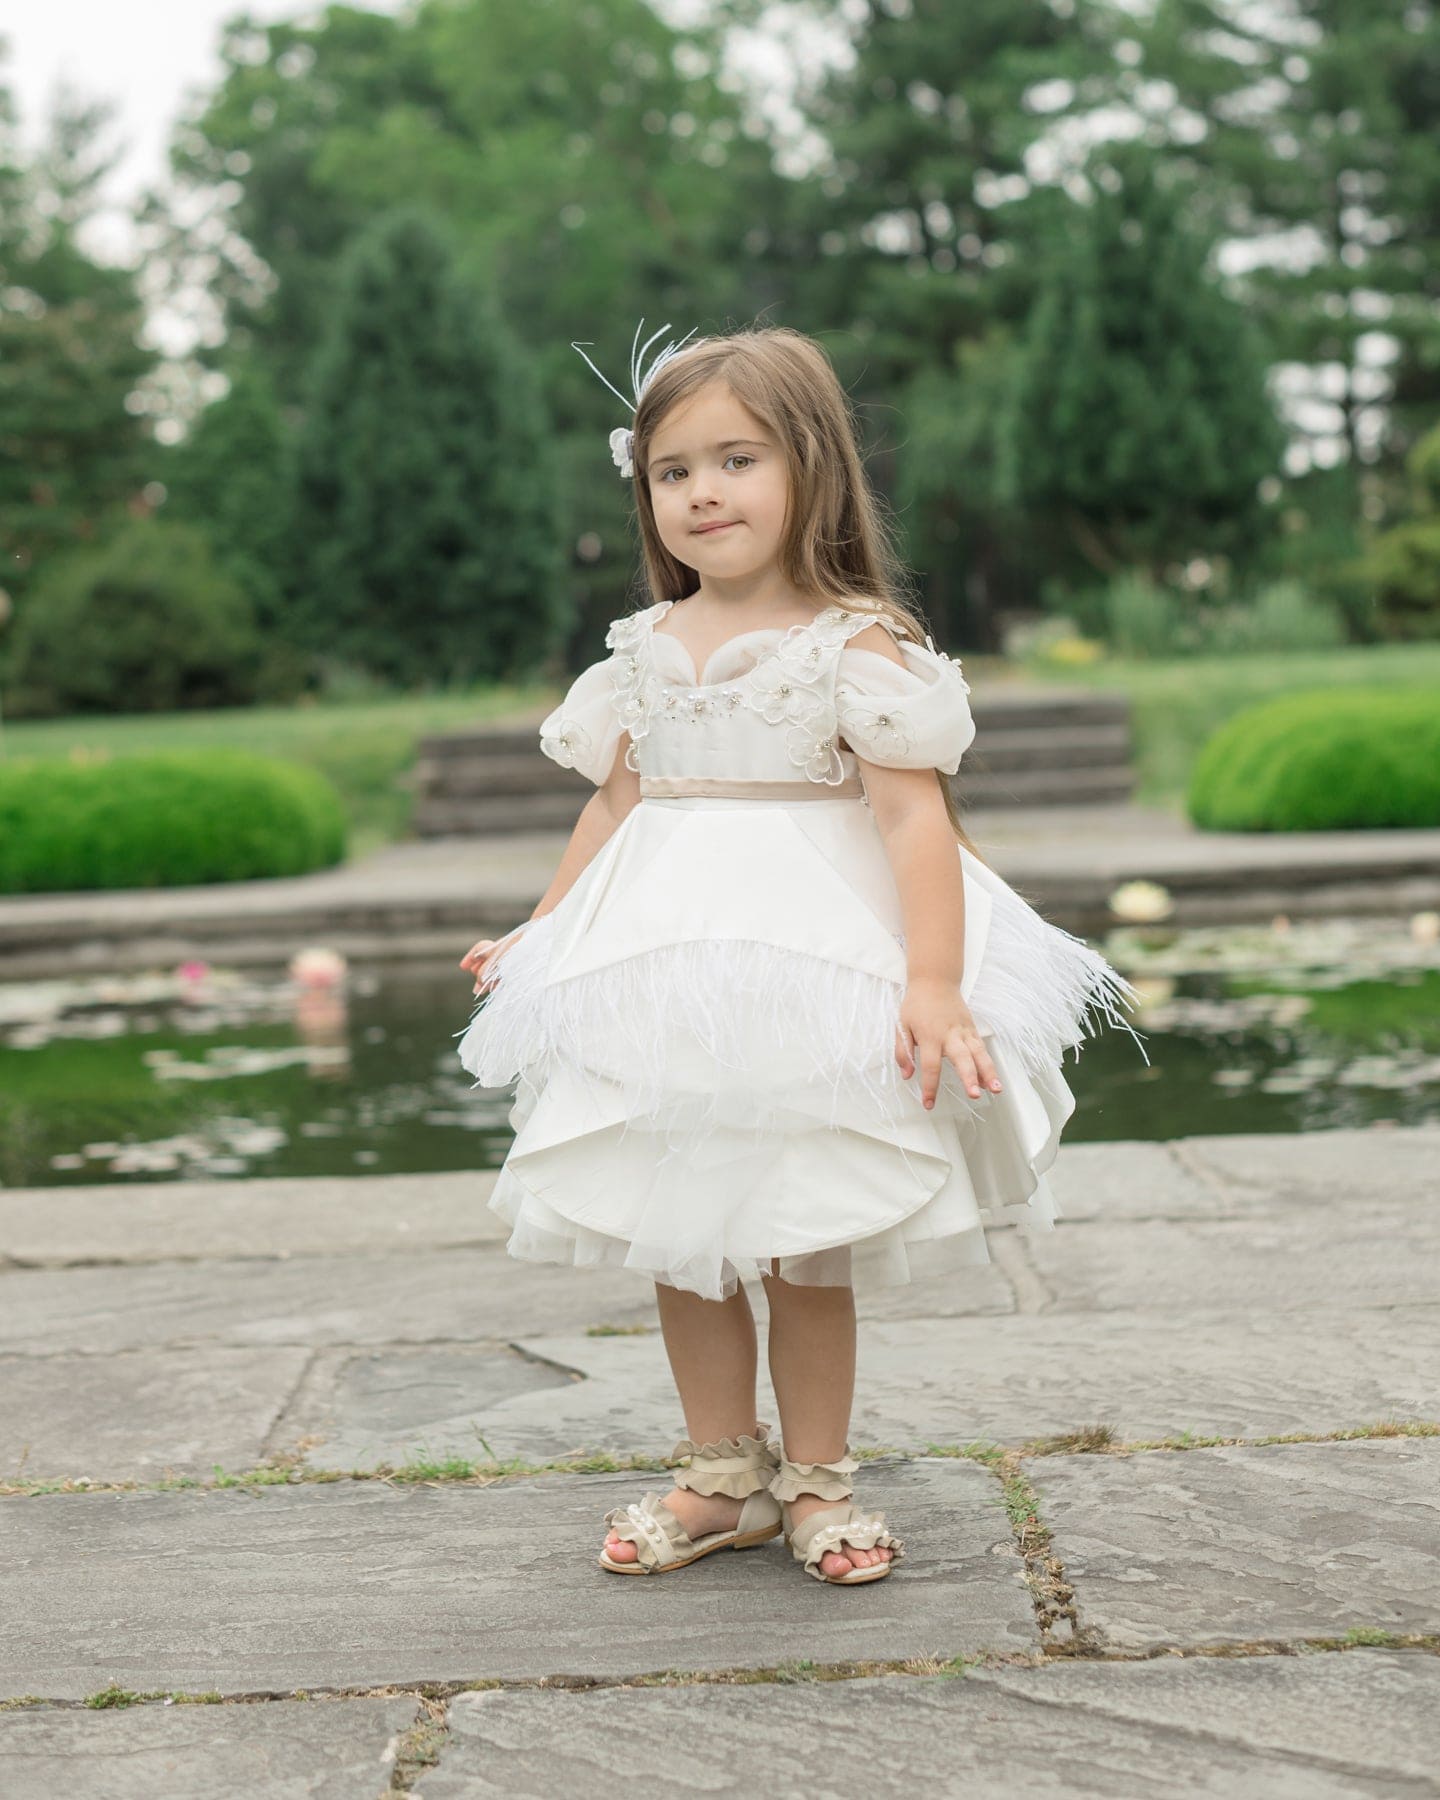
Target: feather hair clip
{"x": 622, "y": 439}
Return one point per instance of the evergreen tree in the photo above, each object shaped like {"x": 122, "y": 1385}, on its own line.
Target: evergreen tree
{"x": 1138, "y": 418}
{"x": 232, "y": 475}
{"x": 72, "y": 446}
{"x": 1317, "y": 143}
{"x": 426, "y": 530}
{"x": 916, "y": 238}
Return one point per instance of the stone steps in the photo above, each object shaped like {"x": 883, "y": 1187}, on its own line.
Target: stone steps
{"x": 1033, "y": 748}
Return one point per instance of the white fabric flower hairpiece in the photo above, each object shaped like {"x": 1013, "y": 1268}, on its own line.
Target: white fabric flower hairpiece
{"x": 622, "y": 439}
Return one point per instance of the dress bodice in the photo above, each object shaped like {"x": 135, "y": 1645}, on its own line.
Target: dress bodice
{"x": 777, "y": 706}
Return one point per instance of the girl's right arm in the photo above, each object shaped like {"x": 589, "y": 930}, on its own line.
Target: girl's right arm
{"x": 600, "y": 817}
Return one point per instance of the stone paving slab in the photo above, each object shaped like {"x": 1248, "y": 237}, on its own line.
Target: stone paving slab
{"x": 321, "y": 1749}
{"x": 1242, "y": 1542}
{"x": 418, "y": 1297}
{"x": 1393, "y": 1164}
{"x": 1271, "y": 1728}
{"x": 1006, "y": 1380}
{"x": 1133, "y": 1179}
{"x": 157, "y": 1221}
{"x": 397, "y": 1405}
{"x": 366, "y": 1584}
{"x": 142, "y": 1414}
{"x": 1379, "y": 1256}
{"x": 1248, "y": 1174}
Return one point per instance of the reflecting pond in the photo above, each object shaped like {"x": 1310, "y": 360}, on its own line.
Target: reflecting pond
{"x": 212, "y": 1072}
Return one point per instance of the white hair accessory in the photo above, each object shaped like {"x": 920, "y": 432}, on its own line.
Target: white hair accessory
{"x": 622, "y": 439}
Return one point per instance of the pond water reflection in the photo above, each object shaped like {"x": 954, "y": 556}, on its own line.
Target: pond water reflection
{"x": 201, "y": 1072}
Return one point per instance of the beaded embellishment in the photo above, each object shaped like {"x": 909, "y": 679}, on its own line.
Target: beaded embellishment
{"x": 784, "y": 686}
{"x": 567, "y": 743}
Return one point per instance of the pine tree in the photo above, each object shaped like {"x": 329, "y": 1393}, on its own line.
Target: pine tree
{"x": 73, "y": 449}
{"x": 1319, "y": 148}
{"x": 1138, "y": 416}
{"x": 427, "y": 537}
{"x": 232, "y": 476}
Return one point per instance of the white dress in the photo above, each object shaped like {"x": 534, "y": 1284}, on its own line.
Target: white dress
{"x": 702, "y": 1032}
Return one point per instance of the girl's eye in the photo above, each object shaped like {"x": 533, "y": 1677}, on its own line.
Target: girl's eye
{"x": 675, "y": 468}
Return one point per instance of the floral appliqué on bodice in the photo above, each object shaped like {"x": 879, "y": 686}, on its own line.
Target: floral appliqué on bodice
{"x": 795, "y": 682}
{"x": 787, "y": 685}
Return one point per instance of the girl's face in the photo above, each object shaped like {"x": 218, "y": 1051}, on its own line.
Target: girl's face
{"x": 718, "y": 486}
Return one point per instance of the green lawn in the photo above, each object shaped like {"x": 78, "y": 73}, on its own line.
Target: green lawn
{"x": 367, "y": 748}
{"x": 1178, "y": 704}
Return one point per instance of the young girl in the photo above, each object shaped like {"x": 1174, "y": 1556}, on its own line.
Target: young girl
{"x": 774, "y": 1018}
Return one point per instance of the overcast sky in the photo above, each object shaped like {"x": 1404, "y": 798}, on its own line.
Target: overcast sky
{"x": 146, "y": 55}
{"x": 152, "y": 56}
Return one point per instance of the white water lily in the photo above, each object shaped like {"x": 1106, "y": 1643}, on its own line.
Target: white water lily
{"x": 1141, "y": 902}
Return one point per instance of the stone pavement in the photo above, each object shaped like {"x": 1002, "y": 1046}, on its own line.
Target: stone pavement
{"x": 418, "y": 900}
{"x": 250, "y": 1511}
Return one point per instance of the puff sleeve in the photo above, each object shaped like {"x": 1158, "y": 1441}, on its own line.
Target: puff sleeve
{"x": 583, "y": 731}
{"x": 911, "y": 717}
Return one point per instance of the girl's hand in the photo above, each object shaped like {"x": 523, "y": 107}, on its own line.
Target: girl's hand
{"x": 935, "y": 1020}
{"x": 483, "y": 960}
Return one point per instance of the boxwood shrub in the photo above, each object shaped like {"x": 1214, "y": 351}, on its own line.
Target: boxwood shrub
{"x": 163, "y": 819}
{"x": 1332, "y": 760}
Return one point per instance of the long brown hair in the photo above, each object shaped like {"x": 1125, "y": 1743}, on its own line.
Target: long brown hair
{"x": 838, "y": 544}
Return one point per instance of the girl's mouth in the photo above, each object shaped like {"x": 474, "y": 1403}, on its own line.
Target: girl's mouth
{"x": 705, "y": 530}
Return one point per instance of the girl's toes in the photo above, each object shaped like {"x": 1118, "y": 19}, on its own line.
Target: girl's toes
{"x": 619, "y": 1549}
{"x": 833, "y": 1563}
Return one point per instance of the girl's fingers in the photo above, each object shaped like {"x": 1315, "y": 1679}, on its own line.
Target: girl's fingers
{"x": 902, "y": 1052}
{"x": 930, "y": 1060}
{"x": 985, "y": 1070}
{"x": 972, "y": 1064}
{"x": 958, "y": 1051}
{"x": 968, "y": 1056}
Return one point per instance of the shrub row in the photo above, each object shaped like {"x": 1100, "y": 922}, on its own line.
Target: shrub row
{"x": 1332, "y": 760}
{"x": 165, "y": 819}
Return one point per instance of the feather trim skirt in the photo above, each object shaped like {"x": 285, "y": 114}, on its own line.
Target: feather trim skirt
{"x": 702, "y": 1037}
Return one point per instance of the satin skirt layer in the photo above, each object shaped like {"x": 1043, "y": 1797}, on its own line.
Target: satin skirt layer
{"x": 702, "y": 1040}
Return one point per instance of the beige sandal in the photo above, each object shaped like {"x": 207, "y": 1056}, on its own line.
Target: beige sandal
{"x": 830, "y": 1526}
{"x": 740, "y": 1467}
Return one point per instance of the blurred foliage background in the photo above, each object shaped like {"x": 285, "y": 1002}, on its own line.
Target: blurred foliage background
{"x": 1137, "y": 303}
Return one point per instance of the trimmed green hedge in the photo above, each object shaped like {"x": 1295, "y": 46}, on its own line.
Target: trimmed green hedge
{"x": 1332, "y": 760}
{"x": 166, "y": 819}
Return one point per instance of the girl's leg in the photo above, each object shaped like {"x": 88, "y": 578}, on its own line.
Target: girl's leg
{"x": 812, "y": 1368}
{"x": 712, "y": 1351}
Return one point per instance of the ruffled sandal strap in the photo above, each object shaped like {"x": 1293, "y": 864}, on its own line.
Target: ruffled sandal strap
{"x": 830, "y": 1527}
{"x": 736, "y": 1467}
{"x": 649, "y": 1524}
{"x": 827, "y": 1481}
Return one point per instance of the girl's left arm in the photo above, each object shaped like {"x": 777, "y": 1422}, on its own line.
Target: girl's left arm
{"x": 935, "y": 1022}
